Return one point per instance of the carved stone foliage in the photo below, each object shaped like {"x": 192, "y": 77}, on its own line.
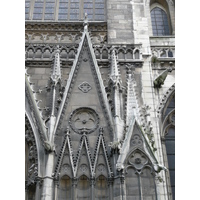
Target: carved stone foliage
{"x": 62, "y": 37}
{"x": 98, "y": 27}
{"x": 31, "y": 162}
{"x": 84, "y": 120}
{"x": 85, "y": 87}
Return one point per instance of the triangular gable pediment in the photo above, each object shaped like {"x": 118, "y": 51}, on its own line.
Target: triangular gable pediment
{"x": 85, "y": 87}
{"x": 134, "y": 139}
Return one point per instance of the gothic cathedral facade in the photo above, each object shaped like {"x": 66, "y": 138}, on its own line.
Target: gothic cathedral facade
{"x": 100, "y": 99}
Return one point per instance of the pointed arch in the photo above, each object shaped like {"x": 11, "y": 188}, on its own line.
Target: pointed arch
{"x": 165, "y": 100}
{"x": 101, "y": 164}
{"x": 83, "y": 188}
{"x": 129, "y": 54}
{"x": 137, "y": 54}
{"x": 136, "y": 154}
{"x": 121, "y": 53}
{"x": 101, "y": 188}
{"x": 166, "y": 111}
{"x": 65, "y": 164}
{"x": 140, "y": 175}
{"x": 160, "y": 17}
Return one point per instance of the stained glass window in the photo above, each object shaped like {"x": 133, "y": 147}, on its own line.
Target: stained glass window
{"x": 27, "y": 9}
{"x": 159, "y": 20}
{"x": 65, "y": 10}
{"x": 49, "y": 9}
{"x": 38, "y": 9}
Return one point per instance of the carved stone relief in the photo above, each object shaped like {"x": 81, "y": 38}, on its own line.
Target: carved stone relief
{"x": 137, "y": 159}
{"x": 85, "y": 87}
{"x": 84, "y": 120}
{"x": 83, "y": 168}
{"x": 66, "y": 168}
{"x": 31, "y": 159}
{"x": 101, "y": 168}
{"x": 136, "y": 141}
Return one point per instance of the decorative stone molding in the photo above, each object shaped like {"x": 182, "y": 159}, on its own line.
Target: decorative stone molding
{"x": 138, "y": 160}
{"x": 32, "y": 172}
{"x": 165, "y": 98}
{"x": 64, "y": 26}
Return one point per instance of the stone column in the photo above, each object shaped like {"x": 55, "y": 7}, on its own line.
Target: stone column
{"x": 48, "y": 184}
{"x": 56, "y": 184}
{"x": 110, "y": 185}
{"x": 123, "y": 186}
{"x": 38, "y": 188}
{"x": 140, "y": 187}
{"x": 92, "y": 184}
{"x": 74, "y": 188}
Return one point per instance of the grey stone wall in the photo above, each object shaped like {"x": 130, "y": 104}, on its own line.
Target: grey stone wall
{"x": 120, "y": 22}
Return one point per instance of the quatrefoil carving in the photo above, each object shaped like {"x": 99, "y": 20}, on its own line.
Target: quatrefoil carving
{"x": 85, "y": 87}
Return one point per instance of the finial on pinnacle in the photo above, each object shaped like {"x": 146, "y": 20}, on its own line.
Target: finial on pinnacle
{"x": 101, "y": 130}
{"x": 85, "y": 24}
{"x": 57, "y": 49}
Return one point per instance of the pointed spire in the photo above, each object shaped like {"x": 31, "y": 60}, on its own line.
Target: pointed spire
{"x": 56, "y": 73}
{"x": 114, "y": 75}
{"x": 131, "y": 101}
{"x": 85, "y": 23}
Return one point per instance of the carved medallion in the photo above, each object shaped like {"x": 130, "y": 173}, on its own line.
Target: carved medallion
{"x": 84, "y": 120}
{"x": 85, "y": 87}
{"x": 138, "y": 159}
{"x": 66, "y": 168}
{"x": 83, "y": 168}
{"x": 101, "y": 168}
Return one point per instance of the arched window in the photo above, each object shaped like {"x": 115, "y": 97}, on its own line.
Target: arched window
{"x": 65, "y": 186}
{"x": 132, "y": 187}
{"x": 159, "y": 20}
{"x": 137, "y": 54}
{"x": 101, "y": 188}
{"x": 168, "y": 123}
{"x": 83, "y": 188}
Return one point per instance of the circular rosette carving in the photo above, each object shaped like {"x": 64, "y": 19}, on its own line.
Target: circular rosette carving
{"x": 66, "y": 168}
{"x": 101, "y": 168}
{"x": 138, "y": 159}
{"x": 84, "y": 120}
{"x": 84, "y": 168}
